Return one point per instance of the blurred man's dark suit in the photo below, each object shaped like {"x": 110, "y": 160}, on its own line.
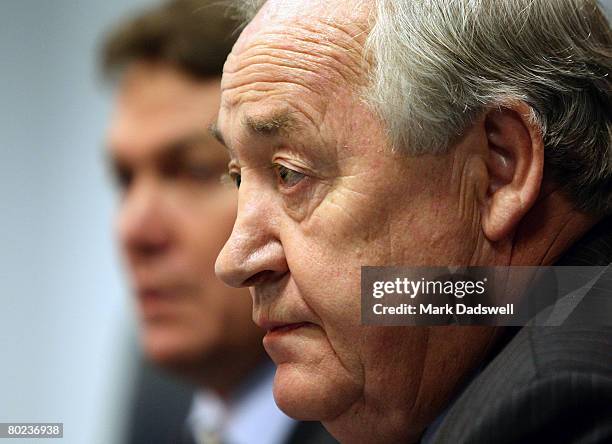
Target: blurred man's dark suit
{"x": 161, "y": 406}
{"x": 548, "y": 384}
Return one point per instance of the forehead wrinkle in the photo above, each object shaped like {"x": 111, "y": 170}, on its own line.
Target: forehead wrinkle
{"x": 256, "y": 74}
{"x": 292, "y": 60}
{"x": 344, "y": 43}
{"x": 263, "y": 72}
{"x": 335, "y": 48}
{"x": 258, "y": 91}
{"x": 290, "y": 66}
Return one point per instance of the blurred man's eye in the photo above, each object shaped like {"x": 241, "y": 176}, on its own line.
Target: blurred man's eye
{"x": 123, "y": 177}
{"x": 194, "y": 171}
{"x": 200, "y": 172}
{"x": 288, "y": 177}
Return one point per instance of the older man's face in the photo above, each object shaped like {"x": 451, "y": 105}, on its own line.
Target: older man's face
{"x": 321, "y": 194}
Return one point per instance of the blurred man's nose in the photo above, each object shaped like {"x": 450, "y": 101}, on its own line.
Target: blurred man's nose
{"x": 253, "y": 254}
{"x": 142, "y": 224}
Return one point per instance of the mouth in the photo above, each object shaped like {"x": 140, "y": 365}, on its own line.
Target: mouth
{"x": 156, "y": 301}
{"x": 282, "y": 327}
{"x": 147, "y": 294}
{"x": 287, "y": 327}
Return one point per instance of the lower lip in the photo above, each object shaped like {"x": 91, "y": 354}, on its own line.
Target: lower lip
{"x": 284, "y": 344}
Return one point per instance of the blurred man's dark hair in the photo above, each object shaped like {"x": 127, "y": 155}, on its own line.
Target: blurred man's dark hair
{"x": 194, "y": 35}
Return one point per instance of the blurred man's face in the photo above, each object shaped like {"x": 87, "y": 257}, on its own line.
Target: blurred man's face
{"x": 321, "y": 194}
{"x": 174, "y": 216}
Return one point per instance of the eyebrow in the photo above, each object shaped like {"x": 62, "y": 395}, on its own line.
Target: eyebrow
{"x": 184, "y": 145}
{"x": 271, "y": 125}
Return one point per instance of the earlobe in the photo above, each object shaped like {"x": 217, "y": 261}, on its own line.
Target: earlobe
{"x": 515, "y": 165}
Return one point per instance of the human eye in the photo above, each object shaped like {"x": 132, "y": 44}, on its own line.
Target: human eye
{"x": 288, "y": 177}
{"x": 235, "y": 178}
{"x": 234, "y": 173}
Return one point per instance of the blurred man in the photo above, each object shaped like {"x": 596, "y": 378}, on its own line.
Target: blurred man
{"x": 175, "y": 215}
{"x": 421, "y": 133}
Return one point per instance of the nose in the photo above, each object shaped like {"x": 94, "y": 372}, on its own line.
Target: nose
{"x": 142, "y": 226}
{"x": 253, "y": 254}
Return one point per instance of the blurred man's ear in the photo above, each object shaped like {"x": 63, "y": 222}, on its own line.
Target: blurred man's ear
{"x": 515, "y": 167}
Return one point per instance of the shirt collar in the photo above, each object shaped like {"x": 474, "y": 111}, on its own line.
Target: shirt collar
{"x": 250, "y": 413}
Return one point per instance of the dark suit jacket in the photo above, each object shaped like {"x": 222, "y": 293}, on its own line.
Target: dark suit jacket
{"x": 548, "y": 384}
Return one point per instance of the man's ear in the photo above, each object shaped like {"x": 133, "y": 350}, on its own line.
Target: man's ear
{"x": 515, "y": 165}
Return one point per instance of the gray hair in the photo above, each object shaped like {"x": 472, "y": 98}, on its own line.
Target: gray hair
{"x": 243, "y": 10}
{"x": 438, "y": 64}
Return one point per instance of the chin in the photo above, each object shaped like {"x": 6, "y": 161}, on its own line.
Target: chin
{"x": 163, "y": 355}
{"x": 308, "y": 392}
{"x": 168, "y": 348}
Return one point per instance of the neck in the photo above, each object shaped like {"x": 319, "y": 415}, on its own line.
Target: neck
{"x": 221, "y": 372}
{"x": 362, "y": 431}
{"x": 226, "y": 380}
{"x": 548, "y": 230}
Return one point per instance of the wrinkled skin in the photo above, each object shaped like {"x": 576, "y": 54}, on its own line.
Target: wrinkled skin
{"x": 322, "y": 193}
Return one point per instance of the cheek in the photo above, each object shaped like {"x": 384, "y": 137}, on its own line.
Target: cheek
{"x": 328, "y": 279}
{"x": 331, "y": 289}
{"x": 120, "y": 223}
{"x": 329, "y": 283}
{"x": 398, "y": 354}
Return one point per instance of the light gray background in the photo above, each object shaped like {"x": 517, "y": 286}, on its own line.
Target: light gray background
{"x": 64, "y": 317}
{"x": 64, "y": 314}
